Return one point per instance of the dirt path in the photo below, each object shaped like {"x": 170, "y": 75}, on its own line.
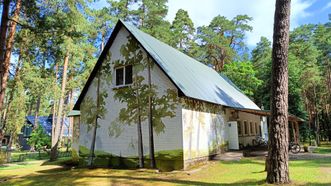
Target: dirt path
{"x": 309, "y": 156}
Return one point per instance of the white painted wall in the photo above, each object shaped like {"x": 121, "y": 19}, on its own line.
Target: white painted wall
{"x": 126, "y": 143}
{"x": 203, "y": 133}
{"x": 201, "y": 129}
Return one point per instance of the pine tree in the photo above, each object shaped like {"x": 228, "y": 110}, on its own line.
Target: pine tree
{"x": 182, "y": 31}
{"x": 261, "y": 59}
{"x": 223, "y": 40}
{"x": 277, "y": 168}
{"x": 9, "y": 44}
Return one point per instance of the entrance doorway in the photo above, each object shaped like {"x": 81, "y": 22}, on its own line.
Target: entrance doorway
{"x": 233, "y": 135}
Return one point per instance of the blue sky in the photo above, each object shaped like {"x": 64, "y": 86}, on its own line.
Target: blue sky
{"x": 262, "y": 11}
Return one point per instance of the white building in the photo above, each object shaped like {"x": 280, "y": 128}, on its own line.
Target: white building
{"x": 196, "y": 112}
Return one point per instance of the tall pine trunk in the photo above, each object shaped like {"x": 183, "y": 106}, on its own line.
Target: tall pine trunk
{"x": 54, "y": 103}
{"x": 277, "y": 163}
{"x": 57, "y": 127}
{"x": 3, "y": 34}
{"x": 13, "y": 88}
{"x": 71, "y": 123}
{"x": 7, "y": 54}
{"x": 4, "y": 28}
{"x": 36, "y": 114}
{"x": 316, "y": 118}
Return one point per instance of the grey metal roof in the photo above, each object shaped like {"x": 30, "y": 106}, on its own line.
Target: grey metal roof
{"x": 195, "y": 79}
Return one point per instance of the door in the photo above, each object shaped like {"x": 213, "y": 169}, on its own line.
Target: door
{"x": 233, "y": 135}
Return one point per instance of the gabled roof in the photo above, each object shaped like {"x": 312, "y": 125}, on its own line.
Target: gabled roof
{"x": 192, "y": 78}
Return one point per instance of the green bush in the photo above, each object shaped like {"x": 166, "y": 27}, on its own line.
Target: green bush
{"x": 39, "y": 139}
{"x": 3, "y": 157}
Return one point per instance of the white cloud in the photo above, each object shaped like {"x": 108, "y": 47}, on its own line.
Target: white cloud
{"x": 262, "y": 11}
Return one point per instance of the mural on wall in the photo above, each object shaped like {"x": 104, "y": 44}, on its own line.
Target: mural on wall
{"x": 136, "y": 97}
{"x": 93, "y": 108}
{"x": 203, "y": 128}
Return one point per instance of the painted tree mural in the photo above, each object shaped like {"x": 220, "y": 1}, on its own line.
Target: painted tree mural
{"x": 137, "y": 95}
{"x": 95, "y": 109}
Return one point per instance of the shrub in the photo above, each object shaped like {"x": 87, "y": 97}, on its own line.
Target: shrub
{"x": 39, "y": 139}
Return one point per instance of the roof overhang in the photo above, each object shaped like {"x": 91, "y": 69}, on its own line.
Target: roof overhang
{"x": 291, "y": 117}
{"x": 74, "y": 113}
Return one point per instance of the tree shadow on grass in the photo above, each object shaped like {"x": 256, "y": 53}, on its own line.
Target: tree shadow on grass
{"x": 63, "y": 179}
{"x": 258, "y": 172}
{"x": 184, "y": 182}
{"x": 65, "y": 176}
{"x": 55, "y": 170}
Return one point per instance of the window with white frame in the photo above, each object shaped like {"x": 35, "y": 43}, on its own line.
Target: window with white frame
{"x": 257, "y": 126}
{"x": 251, "y": 130}
{"x": 123, "y": 75}
{"x": 246, "y": 128}
{"x": 239, "y": 128}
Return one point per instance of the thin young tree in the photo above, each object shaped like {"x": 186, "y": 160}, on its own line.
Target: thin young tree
{"x": 277, "y": 162}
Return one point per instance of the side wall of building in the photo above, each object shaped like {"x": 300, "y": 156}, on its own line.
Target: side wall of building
{"x": 204, "y": 131}
{"x": 117, "y": 136}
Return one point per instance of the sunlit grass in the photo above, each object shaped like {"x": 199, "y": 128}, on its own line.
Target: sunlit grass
{"x": 248, "y": 171}
{"x": 324, "y": 148}
{"x": 243, "y": 172}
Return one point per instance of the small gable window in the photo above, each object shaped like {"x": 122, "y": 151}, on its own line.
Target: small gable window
{"x": 123, "y": 75}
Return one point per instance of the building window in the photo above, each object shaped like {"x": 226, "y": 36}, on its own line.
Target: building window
{"x": 123, "y": 75}
{"x": 246, "y": 127}
{"x": 257, "y": 126}
{"x": 251, "y": 130}
{"x": 27, "y": 130}
{"x": 239, "y": 128}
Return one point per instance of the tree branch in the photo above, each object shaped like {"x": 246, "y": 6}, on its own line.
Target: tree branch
{"x": 25, "y": 26}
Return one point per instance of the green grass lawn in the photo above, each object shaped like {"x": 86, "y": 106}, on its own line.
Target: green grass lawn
{"x": 325, "y": 148}
{"x": 243, "y": 172}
